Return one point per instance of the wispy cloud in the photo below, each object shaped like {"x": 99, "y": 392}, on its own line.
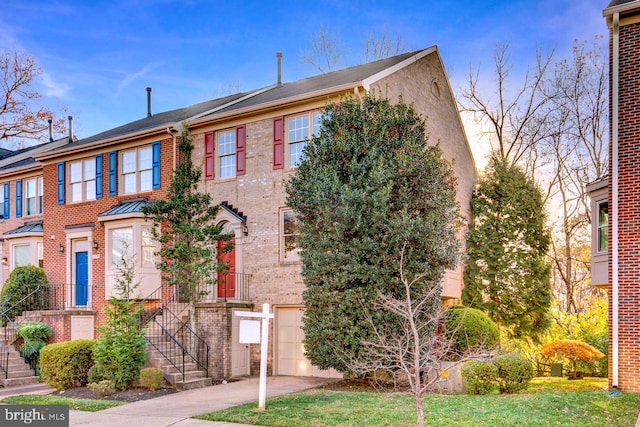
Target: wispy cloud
{"x": 52, "y": 87}
{"x": 134, "y": 76}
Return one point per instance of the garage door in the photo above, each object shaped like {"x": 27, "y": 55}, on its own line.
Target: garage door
{"x": 290, "y": 359}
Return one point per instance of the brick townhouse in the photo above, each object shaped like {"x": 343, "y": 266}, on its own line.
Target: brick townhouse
{"x": 247, "y": 145}
{"x": 615, "y": 199}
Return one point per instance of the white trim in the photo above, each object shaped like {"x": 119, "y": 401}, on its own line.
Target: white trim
{"x": 388, "y": 71}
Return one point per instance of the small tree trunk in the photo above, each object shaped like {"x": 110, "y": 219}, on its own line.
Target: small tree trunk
{"x": 419, "y": 409}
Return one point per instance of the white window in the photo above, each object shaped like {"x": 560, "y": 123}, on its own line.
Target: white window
{"x": 149, "y": 247}
{"x": 603, "y": 226}
{"x": 132, "y": 240}
{"x": 121, "y": 246}
{"x": 136, "y": 170}
{"x": 227, "y": 153}
{"x": 21, "y": 255}
{"x": 289, "y": 250}
{"x": 299, "y": 131}
{"x": 82, "y": 180}
{"x": 33, "y": 196}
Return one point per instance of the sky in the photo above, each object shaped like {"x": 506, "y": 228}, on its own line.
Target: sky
{"x": 98, "y": 57}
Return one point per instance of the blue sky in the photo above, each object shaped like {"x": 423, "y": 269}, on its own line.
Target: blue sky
{"x": 99, "y": 56}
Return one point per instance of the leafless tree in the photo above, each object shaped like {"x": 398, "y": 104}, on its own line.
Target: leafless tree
{"x": 510, "y": 110}
{"x": 19, "y": 117}
{"x": 577, "y": 149}
{"x": 328, "y": 53}
{"x": 411, "y": 349}
{"x": 326, "y": 50}
{"x": 382, "y": 46}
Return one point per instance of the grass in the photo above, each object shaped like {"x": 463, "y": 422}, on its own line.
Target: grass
{"x": 548, "y": 402}
{"x": 88, "y": 405}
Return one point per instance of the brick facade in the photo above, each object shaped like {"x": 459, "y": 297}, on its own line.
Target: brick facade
{"x": 623, "y": 17}
{"x": 257, "y": 194}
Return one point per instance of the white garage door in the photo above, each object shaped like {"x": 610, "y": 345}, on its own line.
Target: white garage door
{"x": 290, "y": 358}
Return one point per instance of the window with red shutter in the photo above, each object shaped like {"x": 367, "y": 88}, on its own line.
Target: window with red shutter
{"x": 208, "y": 156}
{"x": 241, "y": 142}
{"x": 278, "y": 143}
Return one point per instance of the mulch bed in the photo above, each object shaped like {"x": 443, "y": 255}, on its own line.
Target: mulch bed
{"x": 131, "y": 395}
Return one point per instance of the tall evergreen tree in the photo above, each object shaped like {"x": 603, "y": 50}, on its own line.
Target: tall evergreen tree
{"x": 368, "y": 186}
{"x": 507, "y": 273}
{"x": 186, "y": 231}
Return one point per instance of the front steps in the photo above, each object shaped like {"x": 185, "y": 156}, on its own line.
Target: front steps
{"x": 171, "y": 362}
{"x": 19, "y": 371}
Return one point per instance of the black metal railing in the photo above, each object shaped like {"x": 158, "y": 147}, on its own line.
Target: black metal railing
{"x": 227, "y": 287}
{"x": 4, "y": 360}
{"x": 168, "y": 334}
{"x": 46, "y": 296}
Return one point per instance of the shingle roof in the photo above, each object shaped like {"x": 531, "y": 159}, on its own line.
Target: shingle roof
{"x": 28, "y": 227}
{"x": 618, "y": 2}
{"x": 158, "y": 119}
{"x": 126, "y": 207}
{"x": 252, "y": 98}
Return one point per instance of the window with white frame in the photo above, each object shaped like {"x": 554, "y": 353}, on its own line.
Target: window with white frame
{"x": 603, "y": 226}
{"x": 21, "y": 255}
{"x": 299, "y": 130}
{"x": 82, "y": 180}
{"x": 33, "y": 196}
{"x": 131, "y": 240}
{"x": 227, "y": 153}
{"x": 122, "y": 249}
{"x": 289, "y": 231}
{"x": 136, "y": 170}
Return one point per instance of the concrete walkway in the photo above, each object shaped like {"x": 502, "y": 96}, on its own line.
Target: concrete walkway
{"x": 177, "y": 408}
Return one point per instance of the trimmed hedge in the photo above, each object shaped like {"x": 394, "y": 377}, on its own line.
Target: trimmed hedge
{"x": 66, "y": 364}
{"x": 470, "y": 330}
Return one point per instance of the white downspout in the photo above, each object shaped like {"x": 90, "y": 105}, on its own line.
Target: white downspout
{"x": 614, "y": 202}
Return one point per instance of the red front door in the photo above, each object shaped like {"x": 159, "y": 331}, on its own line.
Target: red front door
{"x": 227, "y": 277}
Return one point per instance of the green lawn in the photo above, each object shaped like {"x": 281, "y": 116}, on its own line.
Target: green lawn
{"x": 89, "y": 405}
{"x": 549, "y": 402}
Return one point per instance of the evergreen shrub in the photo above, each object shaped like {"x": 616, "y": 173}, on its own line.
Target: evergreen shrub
{"x": 514, "y": 373}
{"x": 469, "y": 330}
{"x": 21, "y": 283}
{"x": 479, "y": 376}
{"x": 151, "y": 378}
{"x": 66, "y": 364}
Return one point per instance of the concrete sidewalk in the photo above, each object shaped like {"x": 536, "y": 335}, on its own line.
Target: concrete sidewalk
{"x": 177, "y": 408}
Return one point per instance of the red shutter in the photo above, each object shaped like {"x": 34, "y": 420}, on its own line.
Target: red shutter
{"x": 241, "y": 142}
{"x": 208, "y": 156}
{"x": 278, "y": 143}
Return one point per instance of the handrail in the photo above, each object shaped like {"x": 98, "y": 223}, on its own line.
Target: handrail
{"x": 191, "y": 347}
{"x": 4, "y": 360}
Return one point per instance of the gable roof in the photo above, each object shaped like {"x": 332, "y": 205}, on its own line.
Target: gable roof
{"x": 247, "y": 100}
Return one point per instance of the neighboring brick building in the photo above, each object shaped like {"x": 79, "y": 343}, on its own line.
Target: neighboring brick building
{"x": 247, "y": 145}
{"x": 614, "y": 202}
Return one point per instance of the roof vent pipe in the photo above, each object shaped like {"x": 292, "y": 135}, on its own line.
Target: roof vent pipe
{"x": 148, "y": 102}
{"x": 279, "y": 56}
{"x": 50, "y": 130}
{"x": 70, "y": 128}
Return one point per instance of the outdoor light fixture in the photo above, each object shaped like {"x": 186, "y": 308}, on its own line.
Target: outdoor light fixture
{"x": 94, "y": 244}
{"x": 4, "y": 260}
{"x": 245, "y": 229}
{"x": 60, "y": 248}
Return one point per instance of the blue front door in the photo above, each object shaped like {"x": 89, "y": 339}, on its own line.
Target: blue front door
{"x": 82, "y": 278}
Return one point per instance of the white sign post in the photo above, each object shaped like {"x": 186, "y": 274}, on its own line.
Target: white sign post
{"x": 264, "y": 348}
